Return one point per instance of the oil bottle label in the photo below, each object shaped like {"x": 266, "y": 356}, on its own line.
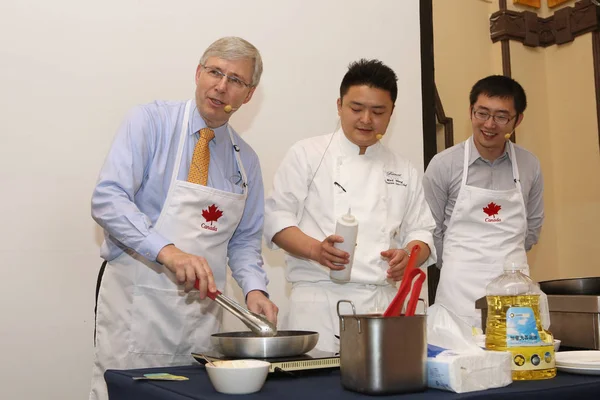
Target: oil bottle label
{"x": 521, "y": 328}
{"x": 532, "y": 358}
{"x": 529, "y": 351}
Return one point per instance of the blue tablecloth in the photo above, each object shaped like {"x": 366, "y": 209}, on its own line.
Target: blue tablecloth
{"x": 326, "y": 385}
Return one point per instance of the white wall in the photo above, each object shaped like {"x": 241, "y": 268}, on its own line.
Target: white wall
{"x": 69, "y": 71}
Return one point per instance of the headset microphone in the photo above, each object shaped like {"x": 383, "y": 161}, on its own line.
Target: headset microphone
{"x": 508, "y": 135}
{"x": 228, "y": 108}
{"x": 379, "y": 136}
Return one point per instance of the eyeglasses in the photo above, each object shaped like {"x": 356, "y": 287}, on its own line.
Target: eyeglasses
{"x": 217, "y": 75}
{"x": 499, "y": 119}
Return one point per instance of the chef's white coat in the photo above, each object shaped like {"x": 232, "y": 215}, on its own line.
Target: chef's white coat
{"x": 383, "y": 190}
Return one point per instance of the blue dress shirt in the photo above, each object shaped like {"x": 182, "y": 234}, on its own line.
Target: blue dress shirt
{"x": 135, "y": 179}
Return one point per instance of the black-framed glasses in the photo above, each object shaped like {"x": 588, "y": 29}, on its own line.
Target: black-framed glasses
{"x": 217, "y": 75}
{"x": 499, "y": 119}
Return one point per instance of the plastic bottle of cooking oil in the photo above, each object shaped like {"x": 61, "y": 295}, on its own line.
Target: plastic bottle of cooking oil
{"x": 514, "y": 324}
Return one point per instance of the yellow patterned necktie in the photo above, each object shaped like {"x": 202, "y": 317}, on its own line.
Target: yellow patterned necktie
{"x": 201, "y": 158}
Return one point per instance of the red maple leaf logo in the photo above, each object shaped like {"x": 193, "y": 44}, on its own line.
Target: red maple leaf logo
{"x": 492, "y": 209}
{"x": 212, "y": 214}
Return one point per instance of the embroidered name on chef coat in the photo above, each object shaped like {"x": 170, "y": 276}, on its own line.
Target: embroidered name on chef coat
{"x": 393, "y": 178}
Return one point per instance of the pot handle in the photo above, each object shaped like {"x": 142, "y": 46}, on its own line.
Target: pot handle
{"x": 342, "y": 326}
{"x": 345, "y": 301}
{"x": 424, "y": 305}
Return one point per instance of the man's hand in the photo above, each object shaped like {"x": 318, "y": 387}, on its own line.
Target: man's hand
{"x": 325, "y": 254}
{"x": 397, "y": 261}
{"x": 187, "y": 268}
{"x": 259, "y": 303}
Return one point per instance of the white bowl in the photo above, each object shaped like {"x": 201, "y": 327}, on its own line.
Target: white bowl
{"x": 238, "y": 376}
{"x": 556, "y": 345}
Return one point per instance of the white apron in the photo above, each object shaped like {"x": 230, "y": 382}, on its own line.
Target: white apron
{"x": 313, "y": 304}
{"x": 313, "y": 307}
{"x": 486, "y": 228}
{"x": 144, "y": 318}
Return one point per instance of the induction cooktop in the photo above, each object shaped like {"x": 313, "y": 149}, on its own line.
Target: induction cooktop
{"x": 313, "y": 360}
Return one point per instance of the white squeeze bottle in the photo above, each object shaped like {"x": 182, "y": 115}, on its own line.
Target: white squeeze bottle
{"x": 346, "y": 227}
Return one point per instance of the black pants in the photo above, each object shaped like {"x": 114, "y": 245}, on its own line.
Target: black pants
{"x": 98, "y": 283}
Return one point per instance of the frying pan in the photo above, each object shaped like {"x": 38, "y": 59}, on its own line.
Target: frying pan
{"x": 574, "y": 286}
{"x": 246, "y": 344}
{"x": 264, "y": 341}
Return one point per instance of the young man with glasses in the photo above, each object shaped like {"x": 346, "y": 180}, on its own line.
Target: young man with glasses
{"x": 180, "y": 197}
{"x": 486, "y": 195}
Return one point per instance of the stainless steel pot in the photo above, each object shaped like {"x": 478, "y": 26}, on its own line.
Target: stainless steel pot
{"x": 249, "y": 345}
{"x": 383, "y": 355}
{"x": 575, "y": 286}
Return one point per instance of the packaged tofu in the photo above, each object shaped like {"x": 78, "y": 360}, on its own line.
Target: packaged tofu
{"x": 454, "y": 360}
{"x": 467, "y": 371}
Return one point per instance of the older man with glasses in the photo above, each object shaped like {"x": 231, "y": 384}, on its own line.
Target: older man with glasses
{"x": 180, "y": 197}
{"x": 486, "y": 195}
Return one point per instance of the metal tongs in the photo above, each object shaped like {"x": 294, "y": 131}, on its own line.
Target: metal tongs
{"x": 257, "y": 323}
{"x": 406, "y": 287}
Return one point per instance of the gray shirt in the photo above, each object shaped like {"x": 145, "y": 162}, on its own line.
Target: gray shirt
{"x": 443, "y": 178}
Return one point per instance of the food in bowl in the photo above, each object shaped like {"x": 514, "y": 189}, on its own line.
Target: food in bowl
{"x": 238, "y": 376}
{"x": 234, "y": 363}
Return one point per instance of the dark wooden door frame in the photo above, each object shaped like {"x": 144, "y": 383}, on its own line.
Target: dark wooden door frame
{"x": 428, "y": 92}
{"x": 427, "y": 81}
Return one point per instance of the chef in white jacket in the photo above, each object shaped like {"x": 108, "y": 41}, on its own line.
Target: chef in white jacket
{"x": 319, "y": 180}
